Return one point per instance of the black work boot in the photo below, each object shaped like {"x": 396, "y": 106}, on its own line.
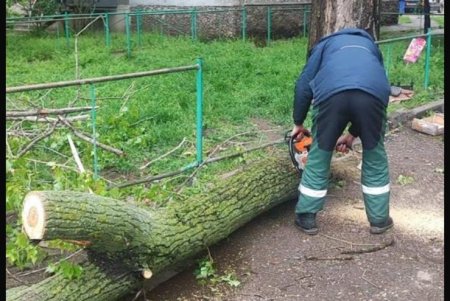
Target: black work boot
{"x": 378, "y": 228}
{"x": 307, "y": 223}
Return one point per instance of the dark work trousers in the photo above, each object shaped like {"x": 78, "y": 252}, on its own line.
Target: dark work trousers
{"x": 367, "y": 117}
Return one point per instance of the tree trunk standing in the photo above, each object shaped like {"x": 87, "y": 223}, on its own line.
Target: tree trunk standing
{"x": 329, "y": 16}
{"x": 152, "y": 240}
{"x": 426, "y": 12}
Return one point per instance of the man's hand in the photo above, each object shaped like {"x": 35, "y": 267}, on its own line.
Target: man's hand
{"x": 344, "y": 143}
{"x": 299, "y": 129}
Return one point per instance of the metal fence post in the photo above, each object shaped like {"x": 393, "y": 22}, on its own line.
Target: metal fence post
{"x": 269, "y": 24}
{"x": 244, "y": 23}
{"x": 305, "y": 24}
{"x": 127, "y": 29}
{"x": 194, "y": 24}
{"x": 427, "y": 60}
{"x": 388, "y": 63}
{"x": 138, "y": 25}
{"x": 107, "y": 33}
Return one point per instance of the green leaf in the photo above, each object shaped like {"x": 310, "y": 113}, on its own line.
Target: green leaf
{"x": 51, "y": 268}
{"x": 405, "y": 180}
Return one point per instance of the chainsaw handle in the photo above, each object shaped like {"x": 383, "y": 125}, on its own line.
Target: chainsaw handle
{"x": 291, "y": 152}
{"x": 346, "y": 145}
{"x": 304, "y": 132}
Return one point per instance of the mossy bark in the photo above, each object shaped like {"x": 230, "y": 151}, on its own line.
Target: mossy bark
{"x": 155, "y": 239}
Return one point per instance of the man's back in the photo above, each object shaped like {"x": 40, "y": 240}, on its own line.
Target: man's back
{"x": 349, "y": 59}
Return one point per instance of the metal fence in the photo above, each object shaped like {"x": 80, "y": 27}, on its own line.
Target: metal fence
{"x": 92, "y": 81}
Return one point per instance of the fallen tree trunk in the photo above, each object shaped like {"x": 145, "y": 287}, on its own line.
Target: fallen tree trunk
{"x": 149, "y": 241}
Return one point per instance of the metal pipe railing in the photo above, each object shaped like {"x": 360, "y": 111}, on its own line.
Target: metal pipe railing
{"x": 91, "y": 81}
{"x": 79, "y": 82}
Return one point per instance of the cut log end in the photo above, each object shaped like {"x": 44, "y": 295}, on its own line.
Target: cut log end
{"x": 33, "y": 216}
{"x": 147, "y": 274}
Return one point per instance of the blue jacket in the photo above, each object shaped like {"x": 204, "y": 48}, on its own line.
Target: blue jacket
{"x": 347, "y": 59}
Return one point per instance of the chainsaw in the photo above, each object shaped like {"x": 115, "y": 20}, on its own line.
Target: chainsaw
{"x": 299, "y": 146}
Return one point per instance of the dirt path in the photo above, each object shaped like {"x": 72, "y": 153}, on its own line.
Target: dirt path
{"x": 274, "y": 261}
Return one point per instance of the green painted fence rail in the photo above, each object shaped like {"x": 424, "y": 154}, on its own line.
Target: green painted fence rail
{"x": 428, "y": 46}
{"x": 198, "y": 66}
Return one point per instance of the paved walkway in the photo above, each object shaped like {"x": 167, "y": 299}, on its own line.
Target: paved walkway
{"x": 416, "y": 24}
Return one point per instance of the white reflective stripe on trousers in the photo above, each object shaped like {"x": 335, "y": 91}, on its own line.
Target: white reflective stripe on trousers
{"x": 312, "y": 192}
{"x": 375, "y": 190}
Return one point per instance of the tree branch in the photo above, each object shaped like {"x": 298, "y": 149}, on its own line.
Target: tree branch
{"x": 86, "y": 138}
{"x": 46, "y": 119}
{"x": 36, "y": 140}
{"x": 165, "y": 155}
{"x": 44, "y": 112}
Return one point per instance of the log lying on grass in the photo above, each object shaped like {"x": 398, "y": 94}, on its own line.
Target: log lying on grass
{"x": 148, "y": 241}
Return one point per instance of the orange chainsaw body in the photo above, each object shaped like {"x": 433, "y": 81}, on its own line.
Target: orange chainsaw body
{"x": 302, "y": 147}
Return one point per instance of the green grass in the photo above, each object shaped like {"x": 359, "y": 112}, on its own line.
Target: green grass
{"x": 404, "y": 20}
{"x": 439, "y": 20}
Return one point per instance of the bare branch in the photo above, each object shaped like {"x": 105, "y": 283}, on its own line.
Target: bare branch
{"x": 47, "y": 119}
{"x": 244, "y": 152}
{"x": 209, "y": 160}
{"x": 14, "y": 276}
{"x": 163, "y": 156}
{"x": 148, "y": 180}
{"x": 52, "y": 164}
{"x": 36, "y": 140}
{"x": 371, "y": 249}
{"x": 171, "y": 174}
{"x": 8, "y": 148}
{"x": 59, "y": 261}
{"x": 126, "y": 96}
{"x": 329, "y": 258}
{"x": 86, "y": 138}
{"x": 77, "y": 158}
{"x": 44, "y": 112}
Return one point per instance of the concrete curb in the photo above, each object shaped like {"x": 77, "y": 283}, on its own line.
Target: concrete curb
{"x": 397, "y": 118}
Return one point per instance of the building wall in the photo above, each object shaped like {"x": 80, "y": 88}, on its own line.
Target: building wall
{"x": 287, "y": 20}
{"x": 214, "y": 23}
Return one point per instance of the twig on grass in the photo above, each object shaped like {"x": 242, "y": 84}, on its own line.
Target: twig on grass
{"x": 77, "y": 158}
{"x": 86, "y": 138}
{"x": 45, "y": 112}
{"x": 177, "y": 172}
{"x": 147, "y": 180}
{"x": 210, "y": 160}
{"x": 59, "y": 261}
{"x": 126, "y": 96}
{"x": 164, "y": 155}
{"x": 36, "y": 140}
{"x": 47, "y": 119}
{"x": 52, "y": 164}
{"x": 8, "y": 147}
{"x": 15, "y": 278}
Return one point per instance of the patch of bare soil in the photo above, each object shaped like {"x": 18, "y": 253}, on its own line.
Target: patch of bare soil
{"x": 275, "y": 261}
